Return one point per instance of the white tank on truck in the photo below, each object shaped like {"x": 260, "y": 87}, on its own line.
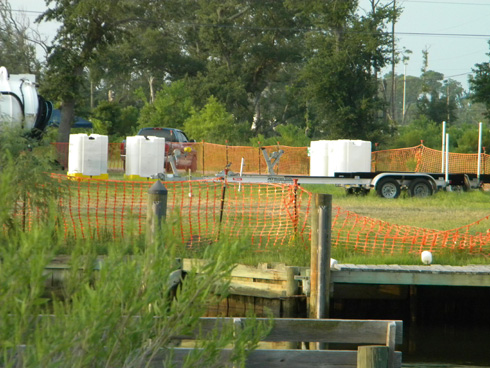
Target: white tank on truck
{"x": 20, "y": 104}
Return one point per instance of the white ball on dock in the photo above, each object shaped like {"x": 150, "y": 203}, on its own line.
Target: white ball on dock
{"x": 333, "y": 262}
{"x": 426, "y": 257}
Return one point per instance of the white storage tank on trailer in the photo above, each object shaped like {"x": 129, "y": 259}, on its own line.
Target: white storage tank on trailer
{"x": 347, "y": 163}
{"x": 20, "y": 104}
{"x": 318, "y": 153}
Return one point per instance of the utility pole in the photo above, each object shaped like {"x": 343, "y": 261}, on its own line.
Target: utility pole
{"x": 393, "y": 61}
{"x": 404, "y": 90}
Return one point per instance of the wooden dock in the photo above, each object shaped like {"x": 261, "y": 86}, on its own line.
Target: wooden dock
{"x": 435, "y": 275}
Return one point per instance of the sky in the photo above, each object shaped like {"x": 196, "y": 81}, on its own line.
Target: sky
{"x": 454, "y": 32}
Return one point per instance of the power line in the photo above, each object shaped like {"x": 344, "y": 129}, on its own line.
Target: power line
{"x": 443, "y": 2}
{"x": 443, "y": 34}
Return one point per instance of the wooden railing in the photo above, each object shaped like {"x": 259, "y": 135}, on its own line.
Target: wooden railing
{"x": 380, "y": 335}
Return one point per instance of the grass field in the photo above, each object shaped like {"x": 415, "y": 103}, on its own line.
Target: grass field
{"x": 442, "y": 211}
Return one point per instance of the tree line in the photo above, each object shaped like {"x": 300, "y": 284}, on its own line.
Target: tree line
{"x": 242, "y": 72}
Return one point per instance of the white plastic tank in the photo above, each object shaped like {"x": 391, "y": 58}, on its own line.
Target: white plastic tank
{"x": 145, "y": 156}
{"x": 348, "y": 156}
{"x": 319, "y": 158}
{"x": 19, "y": 104}
{"x": 87, "y": 155}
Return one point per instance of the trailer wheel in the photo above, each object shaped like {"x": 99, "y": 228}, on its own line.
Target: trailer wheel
{"x": 388, "y": 188}
{"x": 420, "y": 188}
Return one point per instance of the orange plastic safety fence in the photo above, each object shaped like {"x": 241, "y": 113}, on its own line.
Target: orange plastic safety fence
{"x": 266, "y": 214}
{"x": 206, "y": 210}
{"x": 366, "y": 235}
{"x": 213, "y": 158}
{"x": 424, "y": 159}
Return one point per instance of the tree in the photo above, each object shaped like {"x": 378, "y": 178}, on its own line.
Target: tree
{"x": 172, "y": 106}
{"x": 17, "y": 43}
{"x": 247, "y": 47}
{"x": 480, "y": 85}
{"x": 422, "y": 129}
{"x": 213, "y": 124}
{"x": 436, "y": 101}
{"x": 340, "y": 76}
{"x": 87, "y": 28}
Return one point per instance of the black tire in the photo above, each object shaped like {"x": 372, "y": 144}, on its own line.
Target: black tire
{"x": 420, "y": 188}
{"x": 388, "y": 188}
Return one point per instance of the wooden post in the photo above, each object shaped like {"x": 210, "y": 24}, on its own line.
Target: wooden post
{"x": 289, "y": 304}
{"x": 321, "y": 219}
{"x": 156, "y": 210}
{"x": 372, "y": 357}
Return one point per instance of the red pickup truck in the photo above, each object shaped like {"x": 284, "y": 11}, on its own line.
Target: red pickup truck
{"x": 175, "y": 139}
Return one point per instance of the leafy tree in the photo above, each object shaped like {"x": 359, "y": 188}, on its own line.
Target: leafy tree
{"x": 172, "y": 107}
{"x": 464, "y": 138}
{"x": 107, "y": 114}
{"x": 435, "y": 102}
{"x": 341, "y": 72}
{"x": 480, "y": 85}
{"x": 248, "y": 46}
{"x": 213, "y": 124}
{"x": 419, "y": 130}
{"x": 87, "y": 28}
{"x": 291, "y": 135}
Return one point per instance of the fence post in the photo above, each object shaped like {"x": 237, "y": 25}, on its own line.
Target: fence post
{"x": 156, "y": 210}
{"x": 203, "y": 155}
{"x": 372, "y": 357}
{"x": 321, "y": 220}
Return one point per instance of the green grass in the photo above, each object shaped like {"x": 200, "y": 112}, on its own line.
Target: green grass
{"x": 442, "y": 211}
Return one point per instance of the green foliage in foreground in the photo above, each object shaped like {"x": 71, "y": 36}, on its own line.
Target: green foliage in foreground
{"x": 118, "y": 312}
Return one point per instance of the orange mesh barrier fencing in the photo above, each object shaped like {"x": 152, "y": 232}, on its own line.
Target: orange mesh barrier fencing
{"x": 370, "y": 236}
{"x": 268, "y": 215}
{"x": 404, "y": 159}
{"x": 424, "y": 159}
{"x": 213, "y": 158}
{"x": 206, "y": 210}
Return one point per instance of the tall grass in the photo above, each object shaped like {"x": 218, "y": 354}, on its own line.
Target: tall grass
{"x": 120, "y": 312}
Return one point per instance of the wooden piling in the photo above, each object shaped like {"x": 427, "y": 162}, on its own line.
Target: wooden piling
{"x": 372, "y": 356}
{"x": 156, "y": 210}
{"x": 321, "y": 218}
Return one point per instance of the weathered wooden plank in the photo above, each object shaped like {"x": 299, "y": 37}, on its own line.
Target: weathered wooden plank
{"x": 318, "y": 330}
{"x": 257, "y": 289}
{"x": 411, "y": 278}
{"x": 243, "y": 270}
{"x": 278, "y": 358}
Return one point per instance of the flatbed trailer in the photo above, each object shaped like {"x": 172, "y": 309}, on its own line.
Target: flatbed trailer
{"x": 387, "y": 184}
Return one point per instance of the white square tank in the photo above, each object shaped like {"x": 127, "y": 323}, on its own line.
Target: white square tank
{"x": 87, "y": 154}
{"x": 145, "y": 156}
{"x": 328, "y": 157}
{"x": 349, "y": 156}
{"x": 319, "y": 158}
